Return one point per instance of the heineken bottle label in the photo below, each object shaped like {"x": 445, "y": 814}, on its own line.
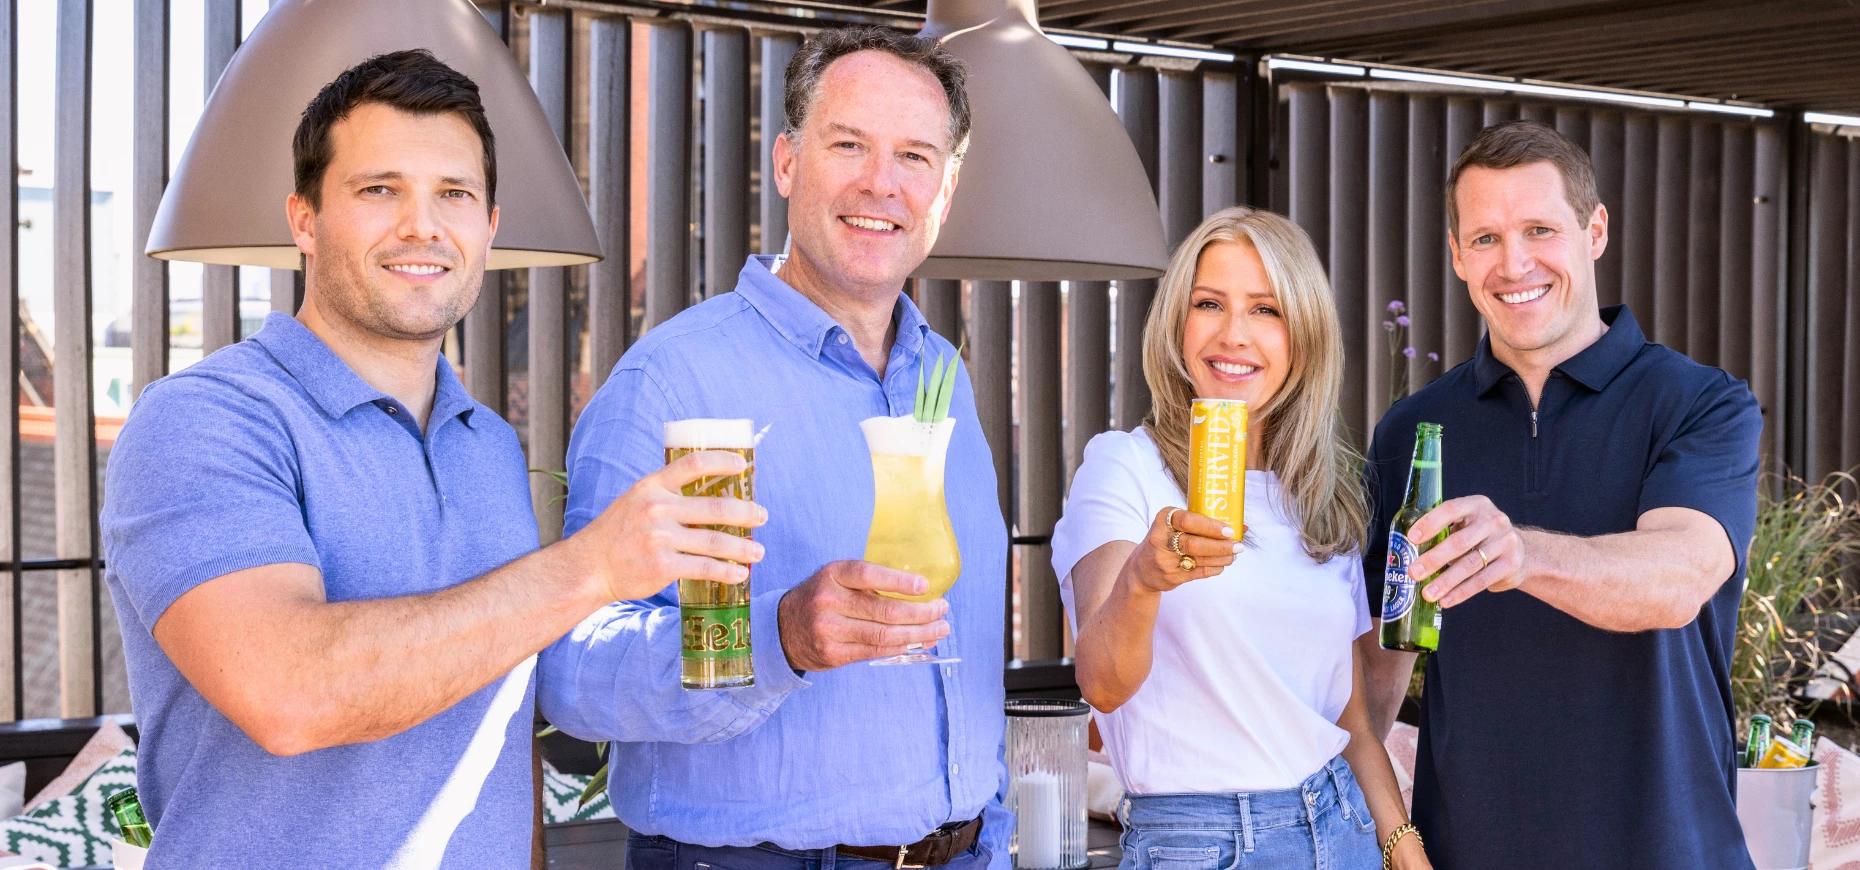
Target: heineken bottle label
{"x": 716, "y": 632}
{"x": 1397, "y": 586}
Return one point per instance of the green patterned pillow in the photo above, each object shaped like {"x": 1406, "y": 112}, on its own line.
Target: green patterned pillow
{"x": 561, "y": 794}
{"x": 74, "y": 830}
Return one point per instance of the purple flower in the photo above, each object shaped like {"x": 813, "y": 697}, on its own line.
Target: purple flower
{"x": 1396, "y": 307}
{"x": 1433, "y": 357}
{"x": 1408, "y": 352}
{"x": 1388, "y": 324}
{"x": 1402, "y": 321}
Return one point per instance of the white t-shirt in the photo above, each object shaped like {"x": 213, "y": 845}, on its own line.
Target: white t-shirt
{"x": 1251, "y": 667}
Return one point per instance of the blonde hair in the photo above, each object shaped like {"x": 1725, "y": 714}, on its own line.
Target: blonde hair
{"x": 1299, "y": 430}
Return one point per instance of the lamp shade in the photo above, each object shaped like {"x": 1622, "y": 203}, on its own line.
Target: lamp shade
{"x": 1051, "y": 188}
{"x": 225, "y": 204}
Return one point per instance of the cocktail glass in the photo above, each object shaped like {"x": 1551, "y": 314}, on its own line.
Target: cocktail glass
{"x": 910, "y": 521}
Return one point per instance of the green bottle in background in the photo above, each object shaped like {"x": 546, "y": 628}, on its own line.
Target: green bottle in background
{"x": 1804, "y": 735}
{"x": 1759, "y": 740}
{"x": 128, "y": 811}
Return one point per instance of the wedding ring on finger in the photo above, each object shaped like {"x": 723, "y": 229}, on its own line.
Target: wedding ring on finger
{"x": 1484, "y": 562}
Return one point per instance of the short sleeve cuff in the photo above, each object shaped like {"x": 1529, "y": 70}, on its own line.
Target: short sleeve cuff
{"x": 1652, "y": 500}
{"x": 153, "y": 596}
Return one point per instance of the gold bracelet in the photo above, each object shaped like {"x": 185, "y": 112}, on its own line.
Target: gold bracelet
{"x": 1388, "y": 848}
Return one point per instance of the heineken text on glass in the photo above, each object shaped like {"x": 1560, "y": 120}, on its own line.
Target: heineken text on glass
{"x": 714, "y": 617}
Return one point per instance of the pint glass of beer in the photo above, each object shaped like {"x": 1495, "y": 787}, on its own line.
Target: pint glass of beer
{"x": 1217, "y": 461}
{"x": 714, "y": 617}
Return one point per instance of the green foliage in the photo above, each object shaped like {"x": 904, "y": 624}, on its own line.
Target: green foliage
{"x": 1796, "y": 609}
{"x": 598, "y": 783}
{"x": 560, "y": 477}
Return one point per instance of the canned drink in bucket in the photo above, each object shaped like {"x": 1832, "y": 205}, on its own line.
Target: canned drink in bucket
{"x": 1217, "y": 461}
{"x": 1783, "y": 753}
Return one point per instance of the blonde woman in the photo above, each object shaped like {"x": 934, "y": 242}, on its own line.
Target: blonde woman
{"x": 1228, "y": 694}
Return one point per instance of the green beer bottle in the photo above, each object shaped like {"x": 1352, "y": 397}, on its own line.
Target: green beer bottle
{"x": 1410, "y": 622}
{"x": 1804, "y": 734}
{"x": 1759, "y": 740}
{"x": 127, "y": 808}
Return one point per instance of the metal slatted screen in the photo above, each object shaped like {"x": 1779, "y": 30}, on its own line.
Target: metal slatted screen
{"x": 668, "y": 120}
{"x": 1830, "y": 332}
{"x": 1695, "y": 218}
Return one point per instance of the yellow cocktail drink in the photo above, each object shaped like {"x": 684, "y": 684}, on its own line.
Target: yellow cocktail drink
{"x": 910, "y": 522}
{"x": 910, "y": 525}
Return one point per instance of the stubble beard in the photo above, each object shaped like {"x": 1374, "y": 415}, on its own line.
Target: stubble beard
{"x": 351, "y": 292}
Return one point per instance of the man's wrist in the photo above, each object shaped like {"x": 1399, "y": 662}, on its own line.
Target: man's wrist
{"x": 770, "y": 605}
{"x": 587, "y": 575}
{"x": 1532, "y": 562}
{"x": 781, "y": 632}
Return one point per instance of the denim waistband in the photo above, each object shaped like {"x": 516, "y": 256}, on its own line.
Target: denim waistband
{"x": 1242, "y": 811}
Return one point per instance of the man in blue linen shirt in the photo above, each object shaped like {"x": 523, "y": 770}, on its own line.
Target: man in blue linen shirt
{"x": 825, "y": 761}
{"x": 1601, "y": 495}
{"x": 320, "y": 547}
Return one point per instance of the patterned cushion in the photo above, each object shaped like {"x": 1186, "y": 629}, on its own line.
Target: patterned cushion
{"x": 561, "y": 794}
{"x": 1835, "y": 843}
{"x": 74, "y": 830}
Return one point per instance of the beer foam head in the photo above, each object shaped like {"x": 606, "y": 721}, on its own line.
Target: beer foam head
{"x": 904, "y": 436}
{"x": 711, "y": 434}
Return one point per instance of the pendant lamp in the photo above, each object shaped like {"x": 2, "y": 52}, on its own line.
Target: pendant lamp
{"x": 225, "y": 204}
{"x": 1051, "y": 188}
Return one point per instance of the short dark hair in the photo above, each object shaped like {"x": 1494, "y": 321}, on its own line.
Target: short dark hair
{"x": 1517, "y": 143}
{"x": 811, "y": 61}
{"x": 412, "y": 81}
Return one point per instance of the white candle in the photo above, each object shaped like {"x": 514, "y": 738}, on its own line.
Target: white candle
{"x": 1040, "y": 821}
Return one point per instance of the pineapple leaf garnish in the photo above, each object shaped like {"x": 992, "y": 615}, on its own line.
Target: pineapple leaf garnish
{"x": 933, "y": 396}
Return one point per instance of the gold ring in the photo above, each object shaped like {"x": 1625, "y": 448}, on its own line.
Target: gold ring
{"x": 1175, "y": 543}
{"x": 1170, "y": 522}
{"x": 1483, "y": 561}
{"x": 1188, "y": 563}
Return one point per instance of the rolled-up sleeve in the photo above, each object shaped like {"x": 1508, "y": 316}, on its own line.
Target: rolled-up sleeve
{"x": 615, "y": 676}
{"x": 1710, "y": 463}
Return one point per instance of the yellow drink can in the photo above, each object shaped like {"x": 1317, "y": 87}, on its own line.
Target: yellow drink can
{"x": 1217, "y": 461}
{"x": 1783, "y": 753}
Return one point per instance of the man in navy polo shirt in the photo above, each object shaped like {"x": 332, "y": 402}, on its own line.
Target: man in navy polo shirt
{"x": 1601, "y": 496}
{"x": 320, "y": 547}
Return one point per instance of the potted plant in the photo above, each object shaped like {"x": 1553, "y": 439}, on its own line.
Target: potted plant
{"x": 1794, "y": 609}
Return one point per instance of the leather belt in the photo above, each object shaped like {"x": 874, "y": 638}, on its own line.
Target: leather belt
{"x": 939, "y": 848}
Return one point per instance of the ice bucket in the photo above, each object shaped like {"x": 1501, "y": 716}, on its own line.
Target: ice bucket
{"x": 1773, "y": 809}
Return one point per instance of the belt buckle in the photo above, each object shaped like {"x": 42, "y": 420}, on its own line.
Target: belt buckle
{"x": 900, "y": 865}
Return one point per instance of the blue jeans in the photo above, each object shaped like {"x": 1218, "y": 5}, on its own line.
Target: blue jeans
{"x": 1323, "y": 824}
{"x": 663, "y": 853}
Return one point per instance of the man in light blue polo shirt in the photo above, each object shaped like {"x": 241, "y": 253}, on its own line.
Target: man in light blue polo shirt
{"x": 825, "y": 761}
{"x": 320, "y": 547}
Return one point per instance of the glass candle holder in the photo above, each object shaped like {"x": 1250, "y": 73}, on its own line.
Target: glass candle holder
{"x": 1046, "y": 783}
